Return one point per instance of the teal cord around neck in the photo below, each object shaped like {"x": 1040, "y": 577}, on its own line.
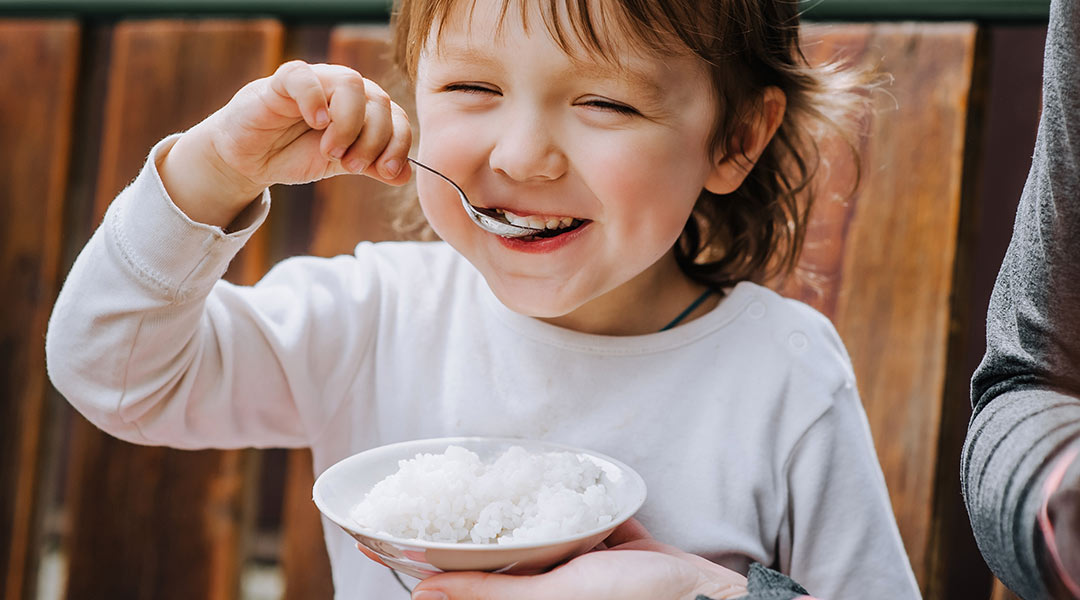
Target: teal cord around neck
{"x": 689, "y": 309}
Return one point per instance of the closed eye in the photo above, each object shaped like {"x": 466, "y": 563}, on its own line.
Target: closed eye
{"x": 469, "y": 88}
{"x": 612, "y": 107}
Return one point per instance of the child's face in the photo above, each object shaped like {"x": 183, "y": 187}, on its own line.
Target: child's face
{"x": 522, "y": 126}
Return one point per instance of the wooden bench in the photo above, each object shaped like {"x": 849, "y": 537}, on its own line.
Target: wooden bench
{"x": 892, "y": 267}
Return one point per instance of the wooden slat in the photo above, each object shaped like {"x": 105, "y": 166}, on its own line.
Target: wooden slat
{"x": 304, "y": 560}
{"x": 39, "y": 63}
{"x": 819, "y": 273}
{"x": 172, "y": 521}
{"x": 1003, "y": 138}
{"x": 954, "y": 565}
{"x": 346, "y": 210}
{"x": 1009, "y": 11}
{"x": 888, "y": 285}
{"x": 1002, "y": 593}
{"x": 352, "y": 208}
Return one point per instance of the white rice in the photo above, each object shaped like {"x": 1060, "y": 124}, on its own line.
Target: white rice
{"x": 520, "y": 497}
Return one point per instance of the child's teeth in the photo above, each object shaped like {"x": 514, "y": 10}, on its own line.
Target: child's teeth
{"x": 536, "y": 222}
{"x": 516, "y": 220}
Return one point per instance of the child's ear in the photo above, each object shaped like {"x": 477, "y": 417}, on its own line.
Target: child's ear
{"x": 730, "y": 169}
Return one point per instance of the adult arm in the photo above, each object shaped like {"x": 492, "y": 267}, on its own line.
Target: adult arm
{"x": 1026, "y": 392}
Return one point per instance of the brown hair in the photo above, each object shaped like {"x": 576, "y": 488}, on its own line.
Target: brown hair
{"x": 756, "y": 232}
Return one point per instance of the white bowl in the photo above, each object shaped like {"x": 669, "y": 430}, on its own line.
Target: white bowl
{"x": 342, "y": 486}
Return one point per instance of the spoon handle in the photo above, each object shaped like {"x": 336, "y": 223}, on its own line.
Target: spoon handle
{"x": 486, "y": 219}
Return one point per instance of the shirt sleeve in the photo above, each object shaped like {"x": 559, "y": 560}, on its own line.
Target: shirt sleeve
{"x": 1026, "y": 391}
{"x": 841, "y": 536}
{"x": 150, "y": 345}
{"x": 763, "y": 583}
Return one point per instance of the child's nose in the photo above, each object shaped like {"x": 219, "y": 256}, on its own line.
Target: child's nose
{"x": 526, "y": 151}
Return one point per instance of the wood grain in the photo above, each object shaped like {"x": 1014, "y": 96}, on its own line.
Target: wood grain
{"x": 347, "y": 210}
{"x": 354, "y": 208}
{"x": 173, "y": 521}
{"x": 304, "y": 560}
{"x": 888, "y": 286}
{"x": 1001, "y": 592}
{"x": 39, "y": 60}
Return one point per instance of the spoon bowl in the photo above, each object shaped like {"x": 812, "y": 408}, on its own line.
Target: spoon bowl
{"x": 485, "y": 218}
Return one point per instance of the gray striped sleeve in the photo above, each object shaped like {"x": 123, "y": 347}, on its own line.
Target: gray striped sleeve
{"x": 1026, "y": 392}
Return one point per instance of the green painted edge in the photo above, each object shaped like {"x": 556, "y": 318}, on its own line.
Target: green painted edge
{"x": 929, "y": 9}
{"x": 316, "y": 10}
{"x": 313, "y": 10}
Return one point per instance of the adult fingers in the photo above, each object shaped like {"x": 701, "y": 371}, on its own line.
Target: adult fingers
{"x": 632, "y": 535}
{"x": 370, "y": 554}
{"x": 594, "y": 576}
{"x": 488, "y": 586}
{"x": 631, "y": 530}
{"x": 298, "y": 82}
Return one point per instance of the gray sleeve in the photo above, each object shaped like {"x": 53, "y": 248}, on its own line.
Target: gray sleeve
{"x": 1026, "y": 392}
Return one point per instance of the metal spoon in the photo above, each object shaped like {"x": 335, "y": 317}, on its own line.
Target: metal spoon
{"x": 485, "y": 218}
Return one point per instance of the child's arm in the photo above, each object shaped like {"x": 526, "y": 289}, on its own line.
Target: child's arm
{"x": 145, "y": 340}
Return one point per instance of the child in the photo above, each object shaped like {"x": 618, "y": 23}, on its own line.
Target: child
{"x": 661, "y": 142}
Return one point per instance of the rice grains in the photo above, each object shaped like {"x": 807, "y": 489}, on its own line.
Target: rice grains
{"x": 519, "y": 497}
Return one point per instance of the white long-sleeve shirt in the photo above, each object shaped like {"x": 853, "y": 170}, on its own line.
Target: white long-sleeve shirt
{"x": 745, "y": 423}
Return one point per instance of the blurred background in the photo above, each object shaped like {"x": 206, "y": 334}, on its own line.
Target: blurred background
{"x": 903, "y": 267}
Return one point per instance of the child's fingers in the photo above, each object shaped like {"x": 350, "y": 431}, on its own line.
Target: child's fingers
{"x": 361, "y": 127}
{"x": 296, "y": 80}
{"x": 392, "y": 166}
{"x": 348, "y": 111}
{"x": 378, "y": 128}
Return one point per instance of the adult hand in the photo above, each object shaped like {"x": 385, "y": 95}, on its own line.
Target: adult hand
{"x": 634, "y": 566}
{"x": 1060, "y": 525}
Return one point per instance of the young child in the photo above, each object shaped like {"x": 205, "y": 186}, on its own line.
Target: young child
{"x": 661, "y": 142}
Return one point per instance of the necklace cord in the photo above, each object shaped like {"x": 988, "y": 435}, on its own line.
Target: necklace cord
{"x": 689, "y": 309}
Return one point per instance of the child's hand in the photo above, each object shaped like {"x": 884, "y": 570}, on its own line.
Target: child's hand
{"x": 303, "y": 123}
{"x": 635, "y": 567}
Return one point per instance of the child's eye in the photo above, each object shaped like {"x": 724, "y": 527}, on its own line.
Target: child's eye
{"x": 469, "y": 88}
{"x": 608, "y": 105}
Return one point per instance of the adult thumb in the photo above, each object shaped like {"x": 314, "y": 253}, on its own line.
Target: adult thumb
{"x": 629, "y": 531}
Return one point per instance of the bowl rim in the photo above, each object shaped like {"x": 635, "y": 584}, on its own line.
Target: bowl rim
{"x": 637, "y": 482}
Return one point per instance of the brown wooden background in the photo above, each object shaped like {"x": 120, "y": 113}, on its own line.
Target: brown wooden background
{"x": 903, "y": 268}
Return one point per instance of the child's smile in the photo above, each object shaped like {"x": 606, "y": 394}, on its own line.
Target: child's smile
{"x": 608, "y": 158}
{"x": 552, "y": 225}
